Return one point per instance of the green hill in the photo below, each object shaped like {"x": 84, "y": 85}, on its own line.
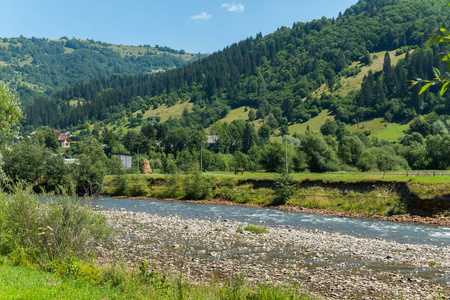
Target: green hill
{"x": 41, "y": 66}
{"x": 291, "y": 75}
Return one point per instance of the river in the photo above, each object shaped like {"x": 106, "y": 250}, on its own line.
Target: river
{"x": 364, "y": 228}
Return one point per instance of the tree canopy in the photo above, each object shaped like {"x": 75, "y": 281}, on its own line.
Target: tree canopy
{"x": 10, "y": 112}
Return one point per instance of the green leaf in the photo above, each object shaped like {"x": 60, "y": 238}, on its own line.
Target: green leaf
{"x": 424, "y": 88}
{"x": 448, "y": 4}
{"x": 444, "y": 87}
{"x": 436, "y": 39}
{"x": 436, "y": 72}
{"x": 439, "y": 39}
{"x": 444, "y": 31}
{"x": 446, "y": 58}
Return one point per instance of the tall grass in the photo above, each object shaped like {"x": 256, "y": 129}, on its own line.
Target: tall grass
{"x": 27, "y": 283}
{"x": 45, "y": 229}
{"x": 381, "y": 201}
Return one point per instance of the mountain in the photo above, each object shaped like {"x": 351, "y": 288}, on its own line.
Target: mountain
{"x": 39, "y": 66}
{"x": 286, "y": 77}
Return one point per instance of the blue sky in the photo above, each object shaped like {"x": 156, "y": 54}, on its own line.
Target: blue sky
{"x": 196, "y": 26}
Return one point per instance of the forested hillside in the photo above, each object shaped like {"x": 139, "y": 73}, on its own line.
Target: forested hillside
{"x": 276, "y": 73}
{"x": 284, "y": 78}
{"x": 37, "y": 65}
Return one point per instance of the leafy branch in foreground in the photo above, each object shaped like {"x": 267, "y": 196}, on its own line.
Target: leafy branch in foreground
{"x": 441, "y": 36}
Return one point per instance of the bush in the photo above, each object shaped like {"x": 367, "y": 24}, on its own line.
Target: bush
{"x": 172, "y": 187}
{"x": 285, "y": 187}
{"x": 33, "y": 163}
{"x": 197, "y": 186}
{"x": 36, "y": 230}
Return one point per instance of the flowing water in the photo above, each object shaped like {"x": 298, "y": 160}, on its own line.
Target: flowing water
{"x": 399, "y": 232}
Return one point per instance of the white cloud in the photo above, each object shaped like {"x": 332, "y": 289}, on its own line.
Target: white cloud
{"x": 201, "y": 16}
{"x": 238, "y": 8}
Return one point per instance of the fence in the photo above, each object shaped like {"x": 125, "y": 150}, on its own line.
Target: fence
{"x": 427, "y": 173}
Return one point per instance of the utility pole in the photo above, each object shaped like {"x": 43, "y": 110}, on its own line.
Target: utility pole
{"x": 285, "y": 152}
{"x": 201, "y": 155}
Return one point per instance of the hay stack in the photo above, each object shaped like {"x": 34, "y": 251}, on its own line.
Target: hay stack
{"x": 146, "y": 168}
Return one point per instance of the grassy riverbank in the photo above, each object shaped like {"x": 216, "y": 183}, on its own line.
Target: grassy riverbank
{"x": 368, "y": 193}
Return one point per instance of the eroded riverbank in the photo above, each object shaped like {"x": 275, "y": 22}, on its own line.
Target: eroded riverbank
{"x": 423, "y": 218}
{"x": 335, "y": 265}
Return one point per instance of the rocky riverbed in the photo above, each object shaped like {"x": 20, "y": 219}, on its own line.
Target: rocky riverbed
{"x": 330, "y": 265}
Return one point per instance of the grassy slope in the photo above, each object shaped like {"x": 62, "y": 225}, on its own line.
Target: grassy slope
{"x": 235, "y": 114}
{"x": 382, "y": 129}
{"x": 126, "y": 50}
{"x": 239, "y": 114}
{"x": 314, "y": 123}
{"x": 354, "y": 83}
{"x": 164, "y": 111}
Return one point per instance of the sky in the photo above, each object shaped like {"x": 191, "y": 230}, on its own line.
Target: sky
{"x": 197, "y": 26}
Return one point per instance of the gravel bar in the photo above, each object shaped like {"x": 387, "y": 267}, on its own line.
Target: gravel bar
{"x": 328, "y": 265}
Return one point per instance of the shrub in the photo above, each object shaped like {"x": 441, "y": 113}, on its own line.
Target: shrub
{"x": 43, "y": 230}
{"x": 120, "y": 184}
{"x": 285, "y": 187}
{"x": 197, "y": 186}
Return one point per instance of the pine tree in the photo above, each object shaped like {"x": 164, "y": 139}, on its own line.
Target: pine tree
{"x": 389, "y": 78}
{"x": 366, "y": 93}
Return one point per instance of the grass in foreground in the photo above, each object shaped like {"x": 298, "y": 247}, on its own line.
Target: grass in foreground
{"x": 27, "y": 283}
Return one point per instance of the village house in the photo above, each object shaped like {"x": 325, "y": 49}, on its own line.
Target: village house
{"x": 125, "y": 158}
{"x": 212, "y": 140}
{"x": 64, "y": 141}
